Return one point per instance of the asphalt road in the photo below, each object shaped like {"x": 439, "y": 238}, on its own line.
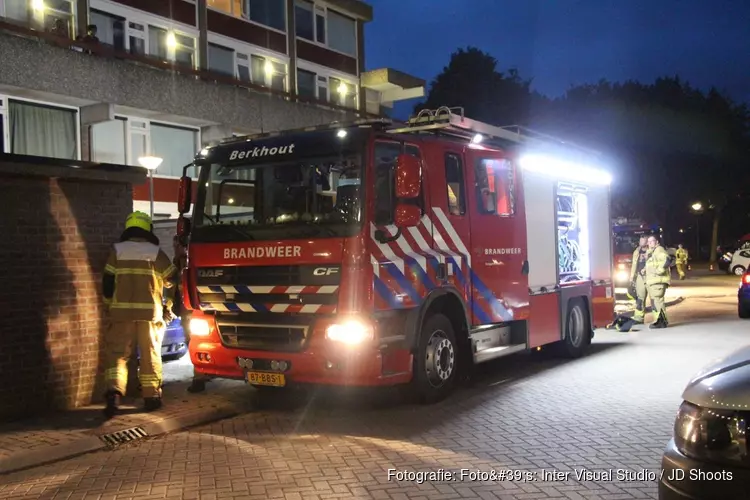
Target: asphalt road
{"x": 609, "y": 411}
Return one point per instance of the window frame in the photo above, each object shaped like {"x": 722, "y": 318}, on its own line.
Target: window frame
{"x": 462, "y": 183}
{"x": 250, "y": 51}
{"x": 319, "y": 6}
{"x": 478, "y": 159}
{"x": 420, "y": 201}
{"x": 131, "y": 130}
{"x": 245, "y": 16}
{"x": 327, "y": 73}
{"x": 5, "y": 116}
{"x": 132, "y": 15}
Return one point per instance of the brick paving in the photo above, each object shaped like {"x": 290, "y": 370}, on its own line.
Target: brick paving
{"x": 611, "y": 410}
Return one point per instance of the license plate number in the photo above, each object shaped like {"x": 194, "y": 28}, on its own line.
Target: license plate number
{"x": 264, "y": 378}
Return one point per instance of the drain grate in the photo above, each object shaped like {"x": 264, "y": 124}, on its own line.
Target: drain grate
{"x": 125, "y": 436}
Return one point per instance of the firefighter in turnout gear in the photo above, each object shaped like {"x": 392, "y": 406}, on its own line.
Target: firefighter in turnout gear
{"x": 658, "y": 278}
{"x": 136, "y": 274}
{"x": 638, "y": 288}
{"x": 681, "y": 257}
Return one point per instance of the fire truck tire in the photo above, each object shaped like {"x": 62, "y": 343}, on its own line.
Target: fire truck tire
{"x": 577, "y": 330}
{"x": 436, "y": 362}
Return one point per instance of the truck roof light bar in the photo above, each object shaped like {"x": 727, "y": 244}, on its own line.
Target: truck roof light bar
{"x": 365, "y": 122}
{"x": 451, "y": 121}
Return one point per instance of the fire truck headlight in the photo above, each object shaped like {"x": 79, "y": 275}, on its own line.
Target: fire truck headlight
{"x": 199, "y": 327}
{"x": 622, "y": 276}
{"x": 620, "y": 266}
{"x": 351, "y": 332}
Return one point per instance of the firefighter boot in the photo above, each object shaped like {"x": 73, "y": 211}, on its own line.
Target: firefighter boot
{"x": 660, "y": 323}
{"x": 112, "y": 399}
{"x": 152, "y": 404}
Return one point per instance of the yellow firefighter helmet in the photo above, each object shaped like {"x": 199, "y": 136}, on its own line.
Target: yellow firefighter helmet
{"x": 139, "y": 220}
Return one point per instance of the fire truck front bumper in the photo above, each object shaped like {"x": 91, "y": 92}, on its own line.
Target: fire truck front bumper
{"x": 320, "y": 363}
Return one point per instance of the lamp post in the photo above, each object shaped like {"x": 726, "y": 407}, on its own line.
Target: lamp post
{"x": 150, "y": 163}
{"x": 697, "y": 209}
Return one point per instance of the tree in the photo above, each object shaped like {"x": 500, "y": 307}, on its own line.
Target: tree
{"x": 471, "y": 81}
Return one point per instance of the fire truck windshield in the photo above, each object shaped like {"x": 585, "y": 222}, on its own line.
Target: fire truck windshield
{"x": 625, "y": 243}
{"x": 308, "y": 197}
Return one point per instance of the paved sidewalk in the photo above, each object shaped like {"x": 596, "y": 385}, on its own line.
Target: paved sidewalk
{"x": 42, "y": 440}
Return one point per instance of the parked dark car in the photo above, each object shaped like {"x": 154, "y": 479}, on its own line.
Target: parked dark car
{"x": 174, "y": 345}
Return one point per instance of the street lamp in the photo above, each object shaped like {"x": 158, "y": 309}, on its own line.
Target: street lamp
{"x": 150, "y": 163}
{"x": 697, "y": 210}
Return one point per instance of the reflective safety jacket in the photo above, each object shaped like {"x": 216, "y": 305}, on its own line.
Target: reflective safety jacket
{"x": 657, "y": 266}
{"x": 634, "y": 268}
{"x": 141, "y": 272}
{"x": 681, "y": 256}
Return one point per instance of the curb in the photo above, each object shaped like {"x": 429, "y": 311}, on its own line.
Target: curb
{"x": 56, "y": 453}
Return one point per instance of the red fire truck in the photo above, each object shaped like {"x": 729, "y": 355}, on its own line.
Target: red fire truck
{"x": 626, "y": 234}
{"x": 375, "y": 253}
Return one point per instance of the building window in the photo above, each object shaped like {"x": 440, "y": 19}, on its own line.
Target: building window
{"x": 320, "y": 25}
{"x": 17, "y": 10}
{"x": 231, "y": 7}
{"x": 42, "y": 130}
{"x": 306, "y": 84}
{"x": 304, "y": 20}
{"x": 177, "y": 146}
{"x": 110, "y": 29}
{"x": 343, "y": 93}
{"x": 342, "y": 33}
{"x": 108, "y": 142}
{"x": 243, "y": 67}
{"x": 323, "y": 88}
{"x": 58, "y": 17}
{"x": 221, "y": 59}
{"x": 270, "y": 13}
{"x": 454, "y": 178}
{"x": 137, "y": 38}
{"x": 269, "y": 73}
{"x": 168, "y": 45}
{"x": 495, "y": 190}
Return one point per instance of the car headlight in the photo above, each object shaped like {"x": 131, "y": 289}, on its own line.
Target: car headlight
{"x": 352, "y": 332}
{"x": 199, "y": 327}
{"x": 707, "y": 434}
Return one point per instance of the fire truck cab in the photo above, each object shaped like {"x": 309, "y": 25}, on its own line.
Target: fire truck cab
{"x": 374, "y": 253}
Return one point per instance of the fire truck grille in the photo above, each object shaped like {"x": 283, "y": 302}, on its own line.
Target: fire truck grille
{"x": 265, "y": 337}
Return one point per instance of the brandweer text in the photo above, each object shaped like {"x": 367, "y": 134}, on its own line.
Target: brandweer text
{"x": 268, "y": 252}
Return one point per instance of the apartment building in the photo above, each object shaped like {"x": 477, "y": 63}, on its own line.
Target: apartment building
{"x": 167, "y": 77}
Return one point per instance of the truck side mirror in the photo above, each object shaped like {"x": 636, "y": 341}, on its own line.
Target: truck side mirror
{"x": 185, "y": 195}
{"x": 183, "y": 227}
{"x": 408, "y": 177}
{"x": 407, "y": 215}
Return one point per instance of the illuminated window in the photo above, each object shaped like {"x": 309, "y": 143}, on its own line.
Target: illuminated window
{"x": 231, "y": 7}
{"x": 343, "y": 93}
{"x": 268, "y": 73}
{"x": 495, "y": 190}
{"x": 454, "y": 178}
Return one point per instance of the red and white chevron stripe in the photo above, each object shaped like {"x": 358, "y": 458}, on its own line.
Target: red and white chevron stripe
{"x": 274, "y": 290}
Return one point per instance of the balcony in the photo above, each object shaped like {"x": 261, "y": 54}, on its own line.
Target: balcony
{"x": 43, "y": 59}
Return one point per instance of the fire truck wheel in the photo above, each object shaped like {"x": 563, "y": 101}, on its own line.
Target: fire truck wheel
{"x": 436, "y": 362}
{"x": 576, "y": 330}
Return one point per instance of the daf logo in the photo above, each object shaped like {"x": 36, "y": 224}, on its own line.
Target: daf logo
{"x": 210, "y": 273}
{"x": 325, "y": 271}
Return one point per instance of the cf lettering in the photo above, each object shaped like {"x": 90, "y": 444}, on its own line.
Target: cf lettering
{"x": 325, "y": 271}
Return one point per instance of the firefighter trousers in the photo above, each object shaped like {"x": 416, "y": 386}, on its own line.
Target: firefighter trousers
{"x": 122, "y": 339}
{"x": 641, "y": 292}
{"x": 657, "y": 292}
{"x": 681, "y": 269}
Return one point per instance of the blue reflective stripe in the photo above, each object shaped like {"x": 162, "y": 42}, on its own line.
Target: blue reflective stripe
{"x": 386, "y": 294}
{"x": 403, "y": 282}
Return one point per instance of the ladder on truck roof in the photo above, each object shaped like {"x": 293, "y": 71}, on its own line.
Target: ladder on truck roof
{"x": 445, "y": 120}
{"x": 367, "y": 122}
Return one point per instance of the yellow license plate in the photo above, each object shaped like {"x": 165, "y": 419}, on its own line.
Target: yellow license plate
{"x": 264, "y": 378}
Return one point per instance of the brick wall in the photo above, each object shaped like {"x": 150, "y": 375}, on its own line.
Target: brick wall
{"x": 56, "y": 234}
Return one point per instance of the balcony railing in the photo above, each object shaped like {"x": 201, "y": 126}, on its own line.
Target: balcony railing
{"x": 61, "y": 38}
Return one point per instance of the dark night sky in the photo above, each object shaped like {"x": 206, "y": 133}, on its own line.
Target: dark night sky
{"x": 566, "y": 42}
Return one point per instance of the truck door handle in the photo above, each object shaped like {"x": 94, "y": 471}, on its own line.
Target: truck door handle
{"x": 442, "y": 271}
{"x": 525, "y": 268}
